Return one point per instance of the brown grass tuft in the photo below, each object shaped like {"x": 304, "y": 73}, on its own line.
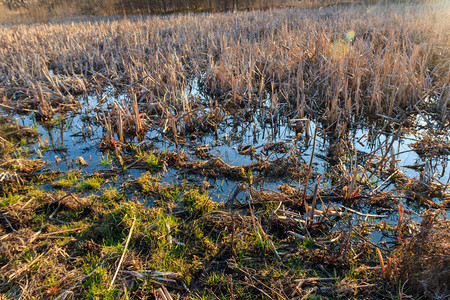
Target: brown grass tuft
{"x": 424, "y": 259}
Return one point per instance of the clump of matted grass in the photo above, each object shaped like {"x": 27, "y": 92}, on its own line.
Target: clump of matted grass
{"x": 432, "y": 144}
{"x": 14, "y": 153}
{"x": 424, "y": 259}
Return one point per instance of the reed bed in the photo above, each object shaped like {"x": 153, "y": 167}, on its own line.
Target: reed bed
{"x": 343, "y": 63}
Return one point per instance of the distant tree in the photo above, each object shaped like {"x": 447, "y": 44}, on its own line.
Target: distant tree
{"x": 16, "y": 4}
{"x": 109, "y": 7}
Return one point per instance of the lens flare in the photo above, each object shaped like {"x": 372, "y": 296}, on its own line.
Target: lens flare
{"x": 349, "y": 36}
{"x": 338, "y": 48}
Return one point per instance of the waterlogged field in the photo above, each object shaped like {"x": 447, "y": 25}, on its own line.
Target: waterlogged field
{"x": 283, "y": 154}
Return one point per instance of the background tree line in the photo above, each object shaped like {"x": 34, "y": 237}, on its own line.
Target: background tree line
{"x": 110, "y": 7}
{"x": 18, "y": 11}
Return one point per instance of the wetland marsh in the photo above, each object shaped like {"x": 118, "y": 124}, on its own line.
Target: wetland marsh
{"x": 282, "y": 154}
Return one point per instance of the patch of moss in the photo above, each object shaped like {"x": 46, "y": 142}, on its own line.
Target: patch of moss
{"x": 68, "y": 181}
{"x": 196, "y": 203}
{"x": 90, "y": 184}
{"x": 148, "y": 183}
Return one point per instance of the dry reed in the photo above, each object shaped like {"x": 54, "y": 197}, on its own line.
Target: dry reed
{"x": 342, "y": 63}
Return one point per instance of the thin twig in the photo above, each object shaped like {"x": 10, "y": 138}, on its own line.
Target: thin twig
{"x": 123, "y": 254}
{"x": 9, "y": 223}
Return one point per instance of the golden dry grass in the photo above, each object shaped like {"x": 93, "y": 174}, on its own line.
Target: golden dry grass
{"x": 308, "y": 60}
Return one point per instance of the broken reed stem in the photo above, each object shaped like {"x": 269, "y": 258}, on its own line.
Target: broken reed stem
{"x": 123, "y": 254}
{"x": 310, "y": 165}
{"x": 9, "y": 224}
{"x": 233, "y": 226}
{"x": 380, "y": 257}
{"x": 314, "y": 201}
{"x": 400, "y": 222}
{"x": 163, "y": 293}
